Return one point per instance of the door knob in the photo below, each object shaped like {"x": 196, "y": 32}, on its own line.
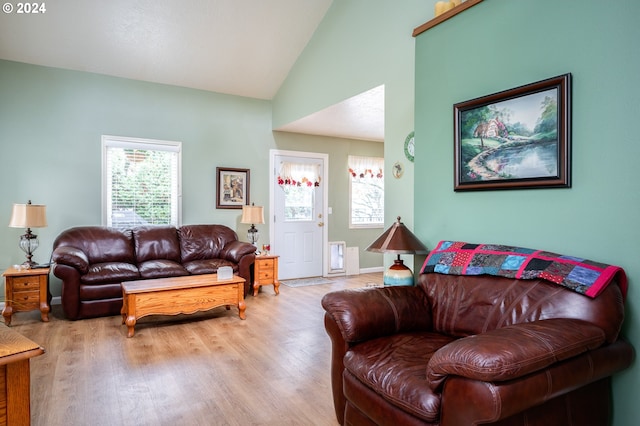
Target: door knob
{"x": 321, "y": 224}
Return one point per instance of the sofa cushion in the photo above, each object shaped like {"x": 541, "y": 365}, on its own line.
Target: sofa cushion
{"x": 100, "y": 292}
{"x": 198, "y": 242}
{"x": 156, "y": 242}
{"x": 161, "y": 268}
{"x": 100, "y": 244}
{"x": 467, "y": 305}
{"x": 395, "y": 368}
{"x": 512, "y": 352}
{"x": 110, "y": 272}
{"x": 208, "y": 266}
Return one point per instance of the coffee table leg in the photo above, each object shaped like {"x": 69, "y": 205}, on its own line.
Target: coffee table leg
{"x": 131, "y": 323}
{"x": 242, "y": 307}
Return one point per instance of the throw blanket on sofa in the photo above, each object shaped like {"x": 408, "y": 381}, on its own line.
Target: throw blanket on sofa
{"x": 580, "y": 275}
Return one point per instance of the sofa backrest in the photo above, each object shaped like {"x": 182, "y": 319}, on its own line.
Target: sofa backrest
{"x": 199, "y": 242}
{"x": 466, "y": 305}
{"x": 156, "y": 242}
{"x": 99, "y": 243}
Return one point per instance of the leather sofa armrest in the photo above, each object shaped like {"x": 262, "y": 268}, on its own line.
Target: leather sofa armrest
{"x": 71, "y": 256}
{"x": 235, "y": 250}
{"x": 366, "y": 313}
{"x": 514, "y": 351}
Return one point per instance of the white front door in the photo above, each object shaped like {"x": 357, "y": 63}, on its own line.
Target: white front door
{"x": 298, "y": 223}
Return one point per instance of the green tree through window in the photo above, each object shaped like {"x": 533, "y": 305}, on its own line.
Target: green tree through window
{"x": 141, "y": 183}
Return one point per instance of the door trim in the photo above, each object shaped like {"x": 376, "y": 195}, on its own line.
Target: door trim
{"x": 325, "y": 197}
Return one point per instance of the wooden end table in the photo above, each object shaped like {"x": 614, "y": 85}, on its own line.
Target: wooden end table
{"x": 265, "y": 272}
{"x": 26, "y": 290}
{"x": 179, "y": 295}
{"x": 15, "y": 353}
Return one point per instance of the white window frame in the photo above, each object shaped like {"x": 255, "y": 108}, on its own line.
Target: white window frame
{"x": 143, "y": 144}
{"x": 359, "y": 225}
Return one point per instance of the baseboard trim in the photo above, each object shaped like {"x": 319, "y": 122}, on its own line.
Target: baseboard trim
{"x": 371, "y": 270}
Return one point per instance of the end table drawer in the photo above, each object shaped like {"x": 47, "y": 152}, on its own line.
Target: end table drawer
{"x": 26, "y": 297}
{"x": 25, "y": 283}
{"x": 266, "y": 263}
{"x": 265, "y": 275}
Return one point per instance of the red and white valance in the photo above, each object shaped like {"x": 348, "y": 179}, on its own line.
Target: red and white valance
{"x": 366, "y": 167}
{"x": 299, "y": 174}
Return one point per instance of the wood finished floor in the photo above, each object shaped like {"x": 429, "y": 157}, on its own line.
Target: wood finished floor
{"x": 209, "y": 368}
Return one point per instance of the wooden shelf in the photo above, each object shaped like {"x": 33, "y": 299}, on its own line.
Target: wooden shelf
{"x": 447, "y": 15}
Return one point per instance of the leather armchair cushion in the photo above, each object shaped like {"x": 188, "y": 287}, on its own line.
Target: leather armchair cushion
{"x": 514, "y": 351}
{"x": 109, "y": 272}
{"x": 161, "y": 269}
{"x": 208, "y": 266}
{"x": 156, "y": 242}
{"x": 395, "y": 368}
{"x": 361, "y": 314}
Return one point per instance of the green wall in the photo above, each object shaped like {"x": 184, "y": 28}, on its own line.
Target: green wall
{"x": 498, "y": 45}
{"x": 338, "y": 182}
{"x": 362, "y": 44}
{"x": 52, "y": 120}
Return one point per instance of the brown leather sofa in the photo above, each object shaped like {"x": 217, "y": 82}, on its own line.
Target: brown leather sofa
{"x": 92, "y": 261}
{"x": 469, "y": 350}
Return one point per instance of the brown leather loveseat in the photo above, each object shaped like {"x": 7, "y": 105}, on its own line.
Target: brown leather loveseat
{"x": 467, "y": 350}
{"x": 92, "y": 261}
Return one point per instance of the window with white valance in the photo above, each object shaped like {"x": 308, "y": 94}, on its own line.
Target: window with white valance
{"x": 366, "y": 192}
{"x": 299, "y": 174}
{"x": 360, "y": 167}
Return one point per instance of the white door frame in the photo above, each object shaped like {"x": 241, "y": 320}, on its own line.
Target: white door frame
{"x": 325, "y": 197}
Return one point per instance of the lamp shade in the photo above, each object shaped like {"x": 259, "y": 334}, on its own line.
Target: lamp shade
{"x": 398, "y": 240}
{"x": 252, "y": 215}
{"x": 28, "y": 216}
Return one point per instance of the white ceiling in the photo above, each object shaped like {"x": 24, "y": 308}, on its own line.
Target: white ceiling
{"x": 359, "y": 117}
{"x": 237, "y": 47}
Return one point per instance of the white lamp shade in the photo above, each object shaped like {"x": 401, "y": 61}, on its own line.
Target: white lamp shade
{"x": 28, "y": 216}
{"x": 252, "y": 215}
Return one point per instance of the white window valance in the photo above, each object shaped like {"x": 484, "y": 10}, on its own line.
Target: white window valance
{"x": 370, "y": 167}
{"x": 299, "y": 174}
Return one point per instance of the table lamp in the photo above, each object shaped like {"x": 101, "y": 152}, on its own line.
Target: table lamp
{"x": 28, "y": 216}
{"x": 399, "y": 240}
{"x": 251, "y": 215}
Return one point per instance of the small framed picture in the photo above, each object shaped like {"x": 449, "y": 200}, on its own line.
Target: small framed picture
{"x": 515, "y": 139}
{"x": 232, "y": 188}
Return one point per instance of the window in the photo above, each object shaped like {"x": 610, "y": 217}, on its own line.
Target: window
{"x": 298, "y": 181}
{"x": 366, "y": 192}
{"x": 141, "y": 182}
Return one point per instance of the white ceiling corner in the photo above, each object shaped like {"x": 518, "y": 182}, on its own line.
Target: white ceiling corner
{"x": 359, "y": 117}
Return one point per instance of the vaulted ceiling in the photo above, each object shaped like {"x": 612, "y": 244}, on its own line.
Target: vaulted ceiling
{"x": 237, "y": 47}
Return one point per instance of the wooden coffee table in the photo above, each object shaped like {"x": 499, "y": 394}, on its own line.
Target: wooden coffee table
{"x": 179, "y": 295}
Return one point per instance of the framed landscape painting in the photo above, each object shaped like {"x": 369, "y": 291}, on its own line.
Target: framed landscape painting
{"x": 518, "y": 138}
{"x": 232, "y": 188}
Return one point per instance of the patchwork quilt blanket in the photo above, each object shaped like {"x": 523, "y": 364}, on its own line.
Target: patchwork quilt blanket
{"x": 580, "y": 275}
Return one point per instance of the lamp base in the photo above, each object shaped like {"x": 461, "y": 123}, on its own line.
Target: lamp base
{"x": 28, "y": 244}
{"x": 398, "y": 274}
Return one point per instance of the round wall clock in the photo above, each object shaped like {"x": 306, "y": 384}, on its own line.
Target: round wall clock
{"x": 409, "y": 147}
